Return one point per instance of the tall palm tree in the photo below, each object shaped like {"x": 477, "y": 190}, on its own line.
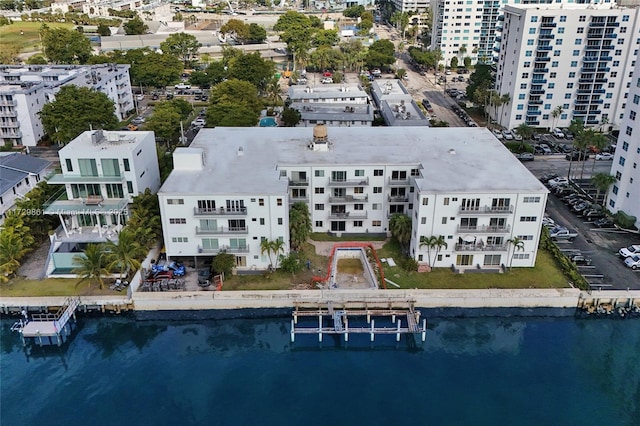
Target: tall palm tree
{"x": 602, "y": 182}
{"x": 505, "y": 98}
{"x": 580, "y": 143}
{"x": 525, "y": 131}
{"x": 518, "y": 245}
{"x": 12, "y": 250}
{"x": 429, "y": 243}
{"x": 265, "y": 247}
{"x": 92, "y": 265}
{"x": 125, "y": 253}
{"x": 599, "y": 143}
{"x": 277, "y": 246}
{"x": 556, "y": 113}
{"x": 273, "y": 92}
{"x": 438, "y": 243}
{"x": 400, "y": 228}
{"x": 589, "y": 138}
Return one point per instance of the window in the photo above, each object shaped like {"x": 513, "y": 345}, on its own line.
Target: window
{"x": 629, "y": 130}
{"x": 261, "y": 201}
{"x": 531, "y": 200}
{"x": 559, "y": 42}
{"x": 526, "y": 237}
{"x": 180, "y": 239}
{"x": 319, "y": 173}
{"x": 632, "y": 115}
{"x": 621, "y": 161}
{"x": 415, "y": 172}
{"x": 530, "y": 42}
{"x": 280, "y": 221}
{"x": 521, "y": 256}
{"x": 444, "y": 220}
{"x": 359, "y": 173}
{"x": 528, "y": 219}
{"x": 319, "y": 190}
{"x": 520, "y": 107}
{"x": 567, "y": 95}
{"x": 549, "y": 96}
{"x": 523, "y": 85}
{"x": 358, "y": 190}
{"x": 572, "y": 74}
{"x": 177, "y": 220}
{"x": 446, "y": 201}
{"x": 169, "y": 200}
{"x": 376, "y": 223}
{"x": 279, "y": 201}
{"x": 69, "y": 165}
{"x": 425, "y": 201}
{"x": 492, "y": 259}
{"x": 378, "y": 172}
{"x": 563, "y": 18}
{"x": 318, "y": 224}
{"x": 534, "y": 19}
{"x": 88, "y": 167}
{"x": 576, "y": 53}
{"x": 569, "y": 85}
{"x": 521, "y": 96}
{"x": 557, "y": 53}
{"x": 318, "y": 206}
{"x": 423, "y": 221}
{"x": 127, "y": 168}
{"x": 357, "y": 224}
{"x": 377, "y": 190}
{"x": 625, "y": 146}
{"x": 376, "y": 206}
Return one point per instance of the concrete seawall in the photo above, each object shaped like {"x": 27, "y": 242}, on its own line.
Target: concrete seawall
{"x": 205, "y": 300}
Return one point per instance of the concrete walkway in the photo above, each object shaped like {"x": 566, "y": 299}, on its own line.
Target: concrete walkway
{"x": 323, "y": 248}
{"x": 34, "y": 264}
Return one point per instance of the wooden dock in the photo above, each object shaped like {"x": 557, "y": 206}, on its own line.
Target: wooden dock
{"x": 43, "y": 328}
{"x": 333, "y": 318}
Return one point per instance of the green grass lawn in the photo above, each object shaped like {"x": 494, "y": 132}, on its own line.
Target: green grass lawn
{"x": 544, "y": 275}
{"x": 20, "y": 287}
{"x": 29, "y": 41}
{"x": 323, "y": 236}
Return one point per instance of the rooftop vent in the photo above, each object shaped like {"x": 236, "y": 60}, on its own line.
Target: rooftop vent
{"x": 320, "y": 138}
{"x": 452, "y": 151}
{"x": 240, "y": 152}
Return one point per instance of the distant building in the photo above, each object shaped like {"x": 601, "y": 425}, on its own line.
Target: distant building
{"x": 625, "y": 192}
{"x": 19, "y": 174}
{"x": 233, "y": 187}
{"x": 396, "y": 104}
{"x": 25, "y": 89}
{"x": 342, "y": 105}
{"x": 575, "y": 57}
{"x": 101, "y": 173}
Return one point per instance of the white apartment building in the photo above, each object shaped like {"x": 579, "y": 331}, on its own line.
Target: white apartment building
{"x": 19, "y": 174}
{"x": 419, "y": 6}
{"x": 101, "y": 173}
{"x": 234, "y": 186}
{"x": 24, "y": 89}
{"x": 576, "y": 57}
{"x": 396, "y": 104}
{"x": 332, "y": 104}
{"x": 625, "y": 193}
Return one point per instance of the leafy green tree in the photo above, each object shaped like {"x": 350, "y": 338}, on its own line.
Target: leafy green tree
{"x": 467, "y": 62}
{"x": 237, "y": 29}
{"x": 145, "y": 220}
{"x": 292, "y": 19}
{"x": 598, "y": 143}
{"x": 91, "y": 265}
{"x": 257, "y": 34}
{"x": 125, "y": 253}
{"x": 234, "y": 103}
{"x": 353, "y": 54}
{"x": 291, "y": 117}
{"x": 253, "y": 68}
{"x": 156, "y": 70}
{"x": 75, "y": 110}
{"x": 480, "y": 83}
{"x": 354, "y": 11}
{"x": 181, "y": 45}
{"x": 400, "y": 228}
{"x": 200, "y": 79}
{"x": 224, "y": 263}
{"x": 165, "y": 122}
{"x": 12, "y": 249}
{"x": 37, "y": 60}
{"x": 380, "y": 54}
{"x": 217, "y": 73}
{"x": 454, "y": 63}
{"x": 299, "y": 224}
{"x": 291, "y": 263}
{"x": 135, "y": 26}
{"x": 273, "y": 92}
{"x": 103, "y": 29}
{"x": 63, "y": 46}
{"x": 518, "y": 245}
{"x": 325, "y": 38}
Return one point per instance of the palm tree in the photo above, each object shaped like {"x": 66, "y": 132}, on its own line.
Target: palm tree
{"x": 92, "y": 265}
{"x": 400, "y": 227}
{"x": 265, "y": 247}
{"x": 277, "y": 246}
{"x": 602, "y": 182}
{"x": 429, "y": 243}
{"x": 556, "y": 113}
{"x": 12, "y": 250}
{"x": 589, "y": 138}
{"x": 525, "y": 131}
{"x": 462, "y": 50}
{"x": 580, "y": 143}
{"x": 504, "y": 99}
{"x": 299, "y": 224}
{"x": 599, "y": 142}
{"x": 518, "y": 245}
{"x": 124, "y": 254}
{"x": 437, "y": 243}
{"x": 273, "y": 92}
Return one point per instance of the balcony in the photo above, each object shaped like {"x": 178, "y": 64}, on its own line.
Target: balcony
{"x": 596, "y": 112}
{"x": 398, "y": 198}
{"x": 541, "y": 70}
{"x": 596, "y": 24}
{"x": 546, "y": 36}
{"x": 298, "y": 182}
{"x": 543, "y": 48}
{"x": 12, "y": 113}
{"x": 580, "y": 112}
{"x": 349, "y": 182}
{"x": 241, "y": 211}
{"x": 11, "y": 135}
{"x": 592, "y": 47}
{"x": 548, "y": 25}
{"x": 593, "y": 121}
{"x": 61, "y": 179}
{"x": 541, "y": 59}
{"x": 601, "y": 80}
{"x": 536, "y": 91}
{"x": 605, "y": 58}
{"x": 9, "y": 103}
{"x": 484, "y": 229}
{"x": 533, "y": 112}
{"x": 603, "y": 69}
{"x": 399, "y": 182}
{"x": 227, "y": 249}
{"x": 539, "y": 81}
{"x": 222, "y": 230}
{"x": 583, "y": 91}
{"x": 357, "y": 215}
{"x": 613, "y": 24}
{"x": 10, "y": 125}
{"x": 481, "y": 247}
{"x": 597, "y": 101}
{"x": 486, "y": 210}
{"x": 590, "y": 59}
{"x": 599, "y": 91}
{"x": 594, "y": 34}
{"x": 611, "y": 36}
{"x": 608, "y": 47}
{"x": 585, "y": 80}
{"x": 298, "y": 199}
{"x": 532, "y": 122}
{"x": 535, "y": 102}
{"x": 582, "y": 102}
{"x": 349, "y": 199}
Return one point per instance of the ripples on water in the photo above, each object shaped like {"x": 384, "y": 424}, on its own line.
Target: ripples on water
{"x": 478, "y": 371}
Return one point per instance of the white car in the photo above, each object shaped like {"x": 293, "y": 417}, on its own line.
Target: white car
{"x": 497, "y": 134}
{"x": 558, "y": 181}
{"x": 507, "y": 135}
{"x": 326, "y": 80}
{"x": 632, "y": 262}
{"x": 516, "y": 136}
{"x": 140, "y": 97}
{"x": 630, "y": 251}
{"x": 558, "y": 133}
{"x": 198, "y": 122}
{"x": 548, "y": 222}
{"x": 604, "y": 156}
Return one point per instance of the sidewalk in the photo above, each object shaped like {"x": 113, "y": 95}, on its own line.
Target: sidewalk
{"x": 323, "y": 248}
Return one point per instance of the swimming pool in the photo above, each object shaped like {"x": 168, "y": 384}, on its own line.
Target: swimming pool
{"x": 268, "y": 122}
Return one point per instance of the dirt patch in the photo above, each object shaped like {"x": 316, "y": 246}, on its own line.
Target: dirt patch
{"x": 350, "y": 266}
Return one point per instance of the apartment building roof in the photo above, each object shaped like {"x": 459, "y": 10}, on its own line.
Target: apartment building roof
{"x": 326, "y": 91}
{"x": 101, "y": 140}
{"x": 15, "y": 167}
{"x": 330, "y": 111}
{"x": 246, "y": 160}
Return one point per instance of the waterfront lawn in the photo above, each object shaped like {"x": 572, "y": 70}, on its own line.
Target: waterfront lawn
{"x": 21, "y": 287}
{"x": 323, "y": 236}
{"x": 29, "y": 41}
{"x": 544, "y": 275}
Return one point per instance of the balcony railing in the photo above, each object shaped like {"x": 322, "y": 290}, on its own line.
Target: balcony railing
{"x": 596, "y": 24}
{"x": 16, "y": 134}
{"x": 534, "y": 112}
{"x": 298, "y": 198}
{"x": 357, "y": 215}
{"x": 241, "y": 211}
{"x": 536, "y": 91}
{"x": 544, "y": 47}
{"x": 486, "y": 210}
{"x": 398, "y": 198}
{"x": 349, "y": 182}
{"x": 298, "y": 182}
{"x": 222, "y": 230}
{"x": 546, "y": 36}
{"x": 10, "y": 124}
{"x": 11, "y": 113}
{"x": 485, "y": 229}
{"x": 349, "y": 199}
{"x": 481, "y": 247}
{"x": 241, "y": 249}
{"x": 535, "y": 102}
{"x": 580, "y": 112}
{"x": 548, "y": 25}
{"x": 9, "y": 103}
{"x": 541, "y": 59}
{"x": 399, "y": 181}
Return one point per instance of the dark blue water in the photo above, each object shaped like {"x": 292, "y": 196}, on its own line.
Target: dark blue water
{"x": 471, "y": 371}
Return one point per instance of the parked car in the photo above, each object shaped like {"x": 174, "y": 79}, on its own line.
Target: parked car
{"x": 537, "y": 150}
{"x": 140, "y": 97}
{"x": 580, "y": 259}
{"x": 198, "y": 122}
{"x": 548, "y": 222}
{"x": 326, "y": 80}
{"x": 604, "y": 222}
{"x": 604, "y": 156}
{"x": 567, "y": 133}
{"x": 525, "y": 156}
{"x": 629, "y": 251}
{"x": 558, "y": 133}
{"x": 632, "y": 262}
{"x": 576, "y": 156}
{"x": 558, "y": 181}
{"x": 546, "y": 149}
{"x": 182, "y": 86}
{"x": 507, "y": 135}
{"x": 565, "y": 148}
{"x": 497, "y": 134}
{"x": 563, "y": 234}
{"x": 516, "y": 136}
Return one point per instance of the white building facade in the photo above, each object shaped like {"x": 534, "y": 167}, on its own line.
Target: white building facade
{"x": 624, "y": 194}
{"x": 575, "y": 59}
{"x": 234, "y": 186}
{"x": 24, "y": 90}
{"x": 396, "y": 104}
{"x": 19, "y": 174}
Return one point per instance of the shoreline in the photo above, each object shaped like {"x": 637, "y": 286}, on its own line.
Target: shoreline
{"x": 462, "y": 301}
